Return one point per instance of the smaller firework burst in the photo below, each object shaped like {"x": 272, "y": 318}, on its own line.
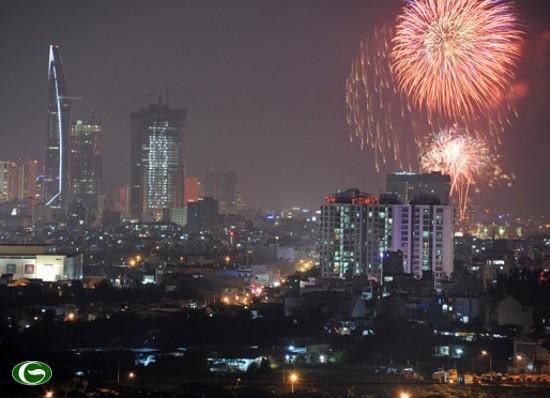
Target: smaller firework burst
{"x": 467, "y": 159}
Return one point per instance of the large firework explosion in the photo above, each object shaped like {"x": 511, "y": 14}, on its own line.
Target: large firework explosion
{"x": 455, "y": 58}
{"x": 381, "y": 118}
{"x": 466, "y": 159}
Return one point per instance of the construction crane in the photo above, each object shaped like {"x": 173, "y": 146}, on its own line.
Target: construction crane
{"x": 167, "y": 91}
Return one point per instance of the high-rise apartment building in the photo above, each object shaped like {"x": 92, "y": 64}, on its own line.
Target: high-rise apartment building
{"x": 86, "y": 162}
{"x": 56, "y": 163}
{"x": 26, "y": 179}
{"x": 222, "y": 186}
{"x": 423, "y": 232}
{"x": 7, "y": 180}
{"x": 157, "y": 174}
{"x": 344, "y": 233}
{"x": 19, "y": 179}
{"x": 357, "y": 231}
{"x": 410, "y": 186}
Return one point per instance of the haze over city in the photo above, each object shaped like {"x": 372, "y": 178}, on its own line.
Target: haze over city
{"x": 263, "y": 83}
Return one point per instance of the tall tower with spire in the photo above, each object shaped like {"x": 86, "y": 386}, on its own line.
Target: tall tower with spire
{"x": 57, "y": 147}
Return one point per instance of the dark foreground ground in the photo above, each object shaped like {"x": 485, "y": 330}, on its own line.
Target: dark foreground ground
{"x": 344, "y": 384}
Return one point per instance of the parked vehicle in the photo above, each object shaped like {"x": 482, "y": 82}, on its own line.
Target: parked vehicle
{"x": 445, "y": 376}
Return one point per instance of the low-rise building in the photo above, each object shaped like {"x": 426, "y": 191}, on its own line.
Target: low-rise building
{"x": 39, "y": 262}
{"x": 532, "y": 352}
{"x": 510, "y": 311}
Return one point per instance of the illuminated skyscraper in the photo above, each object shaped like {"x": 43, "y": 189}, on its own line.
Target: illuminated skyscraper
{"x": 157, "y": 174}
{"x": 86, "y": 162}
{"x": 57, "y": 148}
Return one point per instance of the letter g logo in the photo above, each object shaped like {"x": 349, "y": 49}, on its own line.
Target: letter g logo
{"x": 31, "y": 373}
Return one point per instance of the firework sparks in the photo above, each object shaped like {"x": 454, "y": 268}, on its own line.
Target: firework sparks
{"x": 455, "y": 58}
{"x": 465, "y": 158}
{"x": 375, "y": 112}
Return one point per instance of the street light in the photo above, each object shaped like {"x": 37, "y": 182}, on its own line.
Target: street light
{"x": 131, "y": 375}
{"x": 49, "y": 394}
{"x": 485, "y": 353}
{"x": 293, "y": 379}
{"x": 404, "y": 394}
{"x": 519, "y": 359}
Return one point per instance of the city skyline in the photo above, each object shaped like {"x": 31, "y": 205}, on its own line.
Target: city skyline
{"x": 246, "y": 105}
{"x": 275, "y": 199}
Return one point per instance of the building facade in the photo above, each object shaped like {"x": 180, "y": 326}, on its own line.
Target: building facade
{"x": 86, "y": 162}
{"x": 56, "y": 163}
{"x": 7, "y": 180}
{"x": 222, "y": 185}
{"x": 357, "y": 231}
{"x": 343, "y": 249}
{"x": 39, "y": 262}
{"x": 157, "y": 174}
{"x": 26, "y": 179}
{"x": 19, "y": 179}
{"x": 424, "y": 232}
{"x": 202, "y": 215}
{"x": 192, "y": 189}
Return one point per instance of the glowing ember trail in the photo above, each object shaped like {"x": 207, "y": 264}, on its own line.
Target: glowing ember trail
{"x": 456, "y": 58}
{"x": 376, "y": 114}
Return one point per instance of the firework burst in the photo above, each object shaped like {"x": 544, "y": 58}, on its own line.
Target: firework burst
{"x": 465, "y": 158}
{"x": 456, "y": 58}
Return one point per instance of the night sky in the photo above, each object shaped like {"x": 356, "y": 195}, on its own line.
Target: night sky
{"x": 263, "y": 82}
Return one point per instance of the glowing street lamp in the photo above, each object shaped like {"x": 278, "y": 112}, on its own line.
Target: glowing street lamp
{"x": 293, "y": 379}
{"x": 519, "y": 359}
{"x": 404, "y": 394}
{"x": 131, "y": 375}
{"x": 49, "y": 394}
{"x": 485, "y": 353}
